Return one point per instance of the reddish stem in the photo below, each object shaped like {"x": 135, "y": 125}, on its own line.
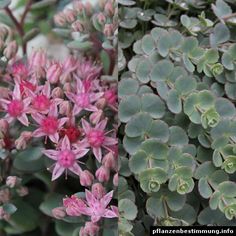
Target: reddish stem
{"x": 19, "y": 25}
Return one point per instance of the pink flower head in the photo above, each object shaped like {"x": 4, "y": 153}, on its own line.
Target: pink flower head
{"x": 103, "y": 174}
{"x": 66, "y": 158}
{"x": 37, "y": 59}
{"x": 96, "y": 138}
{"x": 19, "y": 69}
{"x": 86, "y": 178}
{"x": 54, "y": 73}
{"x": 90, "y": 229}
{"x": 17, "y": 107}
{"x": 88, "y": 70}
{"x": 98, "y": 208}
{"x": 83, "y": 100}
{"x": 74, "y": 205}
{"x": 111, "y": 96}
{"x": 50, "y": 124}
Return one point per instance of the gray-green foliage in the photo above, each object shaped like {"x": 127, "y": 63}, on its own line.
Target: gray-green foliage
{"x": 177, "y": 108}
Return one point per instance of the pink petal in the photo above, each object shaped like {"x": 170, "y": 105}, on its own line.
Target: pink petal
{"x": 90, "y": 197}
{"x": 65, "y": 143}
{"x": 37, "y": 117}
{"x": 80, "y": 153}
{"x": 95, "y": 96}
{"x": 86, "y": 126}
{"x": 95, "y": 218}
{"x": 109, "y": 214}
{"x": 23, "y": 119}
{"x": 98, "y": 153}
{"x": 57, "y": 171}
{"x": 47, "y": 89}
{"x": 62, "y": 121}
{"x": 27, "y": 102}
{"x": 75, "y": 169}
{"x": 53, "y": 110}
{"x": 91, "y": 108}
{"x": 76, "y": 110}
{"x": 4, "y": 101}
{"x": 54, "y": 137}
{"x": 107, "y": 198}
{"x": 52, "y": 154}
{"x": 38, "y": 133}
{"x": 16, "y": 92}
{"x": 71, "y": 96}
{"x": 109, "y": 141}
{"x": 101, "y": 125}
{"x": 79, "y": 86}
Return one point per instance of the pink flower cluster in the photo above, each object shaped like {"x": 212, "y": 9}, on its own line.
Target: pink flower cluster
{"x": 51, "y": 97}
{"x": 65, "y": 105}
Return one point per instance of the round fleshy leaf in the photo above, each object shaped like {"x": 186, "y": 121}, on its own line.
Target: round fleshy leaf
{"x": 128, "y": 107}
{"x": 155, "y": 207}
{"x": 127, "y": 209}
{"x": 204, "y": 188}
{"x": 228, "y": 188}
{"x": 162, "y": 70}
{"x": 153, "y": 105}
{"x": 138, "y": 125}
{"x": 128, "y": 87}
{"x": 143, "y": 70}
{"x": 148, "y": 44}
{"x": 159, "y": 130}
{"x": 173, "y": 102}
{"x": 178, "y": 136}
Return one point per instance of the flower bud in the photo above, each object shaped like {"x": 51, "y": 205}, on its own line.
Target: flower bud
{"x": 111, "y": 96}
{"x": 3, "y": 32}
{"x": 86, "y": 178}
{"x": 116, "y": 179}
{"x": 101, "y": 103}
{"x": 108, "y": 30}
{"x": 109, "y": 161}
{"x": 90, "y": 229}
{"x": 21, "y": 142}
{"x": 4, "y": 93}
{"x": 65, "y": 108}
{"x": 101, "y": 18}
{"x": 10, "y": 50}
{"x": 54, "y": 73}
{"x": 13, "y": 181}
{"x": 22, "y": 191}
{"x": 109, "y": 9}
{"x": 70, "y": 15}
{"x": 5, "y": 195}
{"x": 59, "y": 213}
{"x": 103, "y": 174}
{"x": 78, "y": 26}
{"x": 98, "y": 190}
{"x": 60, "y": 19}
{"x": 4, "y": 126}
{"x": 78, "y": 6}
{"x": 1, "y": 44}
{"x": 96, "y": 116}
{"x": 57, "y": 93}
{"x": 4, "y": 215}
{"x": 38, "y": 58}
{"x": 67, "y": 87}
{"x": 88, "y": 8}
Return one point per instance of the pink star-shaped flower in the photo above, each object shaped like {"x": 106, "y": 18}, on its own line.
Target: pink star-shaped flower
{"x": 83, "y": 100}
{"x": 95, "y": 137}
{"x": 66, "y": 158}
{"x": 50, "y": 124}
{"x": 91, "y": 206}
{"x": 17, "y": 107}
